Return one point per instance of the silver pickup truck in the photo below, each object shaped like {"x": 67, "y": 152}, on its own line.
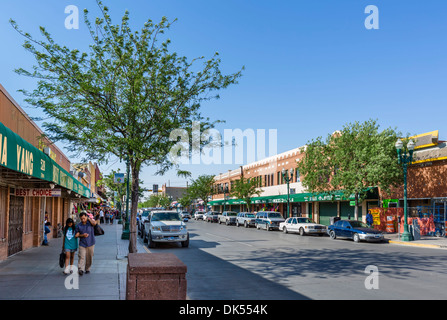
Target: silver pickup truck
{"x": 165, "y": 226}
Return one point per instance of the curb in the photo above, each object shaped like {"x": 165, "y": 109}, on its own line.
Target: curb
{"x": 435, "y": 246}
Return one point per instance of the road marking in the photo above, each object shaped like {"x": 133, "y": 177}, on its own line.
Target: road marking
{"x": 228, "y": 239}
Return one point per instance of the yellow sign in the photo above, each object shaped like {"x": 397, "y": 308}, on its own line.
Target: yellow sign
{"x": 376, "y": 216}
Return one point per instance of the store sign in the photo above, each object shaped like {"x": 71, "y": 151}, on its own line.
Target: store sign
{"x": 119, "y": 178}
{"x": 38, "y": 192}
{"x": 21, "y": 156}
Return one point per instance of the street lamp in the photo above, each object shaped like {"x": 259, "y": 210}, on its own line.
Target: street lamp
{"x": 405, "y": 157}
{"x": 225, "y": 190}
{"x": 287, "y": 178}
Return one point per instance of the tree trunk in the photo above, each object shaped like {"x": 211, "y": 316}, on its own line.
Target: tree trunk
{"x": 135, "y": 169}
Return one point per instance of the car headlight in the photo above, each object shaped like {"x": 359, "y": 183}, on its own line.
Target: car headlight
{"x": 156, "y": 228}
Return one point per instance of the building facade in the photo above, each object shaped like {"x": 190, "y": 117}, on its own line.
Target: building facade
{"x": 35, "y": 183}
{"x": 427, "y": 186}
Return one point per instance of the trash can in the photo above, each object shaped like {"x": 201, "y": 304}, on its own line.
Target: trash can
{"x": 416, "y": 230}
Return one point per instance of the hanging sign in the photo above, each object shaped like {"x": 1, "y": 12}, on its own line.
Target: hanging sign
{"x": 37, "y": 192}
{"x": 119, "y": 178}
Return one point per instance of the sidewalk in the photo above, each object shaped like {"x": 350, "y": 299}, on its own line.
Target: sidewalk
{"x": 425, "y": 241}
{"x": 35, "y": 273}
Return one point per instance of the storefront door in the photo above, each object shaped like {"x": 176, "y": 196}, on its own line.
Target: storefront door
{"x": 15, "y": 230}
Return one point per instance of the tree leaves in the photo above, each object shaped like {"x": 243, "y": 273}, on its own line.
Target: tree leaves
{"x": 124, "y": 96}
{"x": 353, "y": 159}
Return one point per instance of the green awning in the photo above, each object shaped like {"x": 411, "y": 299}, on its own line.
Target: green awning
{"x": 299, "y": 197}
{"x": 21, "y": 156}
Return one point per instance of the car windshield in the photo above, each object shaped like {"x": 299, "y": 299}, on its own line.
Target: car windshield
{"x": 304, "y": 220}
{"x": 250, "y": 215}
{"x": 358, "y": 224}
{"x": 166, "y": 216}
{"x": 145, "y": 213}
{"x": 275, "y": 215}
{"x": 231, "y": 213}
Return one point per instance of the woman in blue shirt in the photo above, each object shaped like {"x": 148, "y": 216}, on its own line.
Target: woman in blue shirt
{"x": 69, "y": 245}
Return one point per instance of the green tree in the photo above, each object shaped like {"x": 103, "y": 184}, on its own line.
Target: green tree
{"x": 201, "y": 188}
{"x": 353, "y": 159}
{"x": 124, "y": 96}
{"x": 185, "y": 201}
{"x": 245, "y": 189}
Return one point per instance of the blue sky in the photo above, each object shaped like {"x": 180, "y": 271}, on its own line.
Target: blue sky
{"x": 311, "y": 66}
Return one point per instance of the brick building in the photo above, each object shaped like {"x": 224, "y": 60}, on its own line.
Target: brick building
{"x": 427, "y": 186}
{"x": 34, "y": 181}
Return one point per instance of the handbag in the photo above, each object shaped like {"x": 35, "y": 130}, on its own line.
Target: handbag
{"x": 98, "y": 230}
{"x": 62, "y": 259}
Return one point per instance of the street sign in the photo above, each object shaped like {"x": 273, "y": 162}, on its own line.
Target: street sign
{"x": 119, "y": 178}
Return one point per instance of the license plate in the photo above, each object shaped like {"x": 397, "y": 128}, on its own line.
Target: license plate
{"x": 171, "y": 238}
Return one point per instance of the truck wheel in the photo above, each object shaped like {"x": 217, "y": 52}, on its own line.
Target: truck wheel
{"x": 151, "y": 244}
{"x": 185, "y": 244}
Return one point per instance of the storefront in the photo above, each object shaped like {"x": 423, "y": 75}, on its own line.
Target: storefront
{"x": 318, "y": 206}
{"x": 33, "y": 188}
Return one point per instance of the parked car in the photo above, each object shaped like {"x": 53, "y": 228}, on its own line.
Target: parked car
{"x": 302, "y": 226}
{"x": 268, "y": 220}
{"x": 185, "y": 215}
{"x": 245, "y": 219}
{"x": 211, "y": 216}
{"x": 199, "y": 215}
{"x": 355, "y": 230}
{"x": 142, "y": 219}
{"x": 228, "y": 217}
{"x": 165, "y": 226}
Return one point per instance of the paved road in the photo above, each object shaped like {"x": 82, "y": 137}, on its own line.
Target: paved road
{"x": 226, "y": 262}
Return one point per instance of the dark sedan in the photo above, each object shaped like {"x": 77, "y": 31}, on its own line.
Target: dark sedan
{"x": 355, "y": 230}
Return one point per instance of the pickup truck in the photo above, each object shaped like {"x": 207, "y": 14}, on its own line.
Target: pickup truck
{"x": 228, "y": 217}
{"x": 165, "y": 226}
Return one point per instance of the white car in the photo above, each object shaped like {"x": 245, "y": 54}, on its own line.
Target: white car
{"x": 165, "y": 226}
{"x": 302, "y": 226}
{"x": 199, "y": 215}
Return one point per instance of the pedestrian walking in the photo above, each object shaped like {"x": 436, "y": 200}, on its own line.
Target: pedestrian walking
{"x": 47, "y": 230}
{"x": 101, "y": 216}
{"x": 69, "y": 245}
{"x": 86, "y": 234}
